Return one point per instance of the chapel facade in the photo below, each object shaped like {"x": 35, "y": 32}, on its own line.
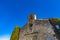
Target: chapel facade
{"x": 37, "y": 29}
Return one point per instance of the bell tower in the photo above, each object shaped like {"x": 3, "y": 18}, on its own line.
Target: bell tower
{"x": 31, "y": 19}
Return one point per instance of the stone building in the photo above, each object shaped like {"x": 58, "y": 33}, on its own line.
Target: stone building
{"x": 37, "y": 29}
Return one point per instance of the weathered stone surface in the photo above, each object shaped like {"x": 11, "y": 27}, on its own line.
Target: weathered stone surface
{"x": 40, "y": 30}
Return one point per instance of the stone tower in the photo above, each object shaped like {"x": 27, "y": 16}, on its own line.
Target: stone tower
{"x": 31, "y": 18}
{"x": 37, "y": 29}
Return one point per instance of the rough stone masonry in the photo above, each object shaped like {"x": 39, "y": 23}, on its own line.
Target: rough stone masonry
{"x": 37, "y": 29}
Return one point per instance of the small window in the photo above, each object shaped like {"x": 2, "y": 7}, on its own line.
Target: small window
{"x": 30, "y": 26}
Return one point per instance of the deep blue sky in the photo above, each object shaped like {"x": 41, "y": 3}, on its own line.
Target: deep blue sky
{"x": 15, "y": 12}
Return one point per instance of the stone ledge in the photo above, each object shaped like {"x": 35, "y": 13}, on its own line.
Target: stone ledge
{"x": 31, "y": 34}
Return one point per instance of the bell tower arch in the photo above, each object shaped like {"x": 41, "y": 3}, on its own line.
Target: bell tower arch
{"x": 31, "y": 19}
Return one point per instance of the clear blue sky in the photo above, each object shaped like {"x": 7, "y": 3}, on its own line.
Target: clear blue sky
{"x": 15, "y": 12}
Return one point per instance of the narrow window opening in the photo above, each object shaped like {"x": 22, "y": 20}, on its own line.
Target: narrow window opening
{"x": 30, "y": 26}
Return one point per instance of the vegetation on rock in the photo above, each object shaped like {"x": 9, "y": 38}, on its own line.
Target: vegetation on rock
{"x": 15, "y": 33}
